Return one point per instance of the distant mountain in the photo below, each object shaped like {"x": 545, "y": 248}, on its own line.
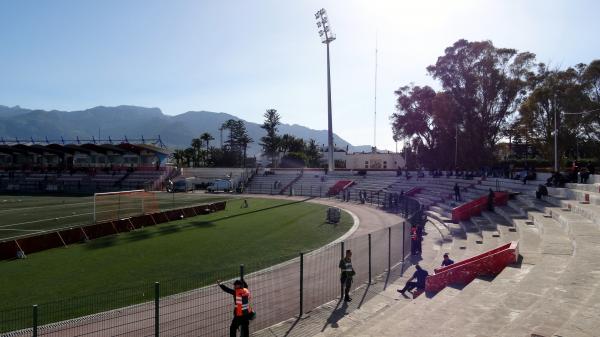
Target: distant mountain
{"x": 133, "y": 121}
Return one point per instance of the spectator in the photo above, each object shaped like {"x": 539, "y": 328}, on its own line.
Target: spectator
{"x": 490, "y": 201}
{"x": 541, "y": 191}
{"x": 420, "y": 275}
{"x": 591, "y": 168}
{"x": 456, "y": 192}
{"x": 346, "y": 275}
{"x": 242, "y": 312}
{"x": 584, "y": 175}
{"x": 447, "y": 261}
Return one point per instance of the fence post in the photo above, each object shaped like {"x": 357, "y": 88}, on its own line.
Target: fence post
{"x": 156, "y": 308}
{"x": 342, "y": 254}
{"x": 369, "y": 258}
{"x": 320, "y": 191}
{"x": 241, "y": 272}
{"x": 34, "y": 324}
{"x": 403, "y": 241}
{"x": 389, "y": 249}
{"x": 301, "y": 284}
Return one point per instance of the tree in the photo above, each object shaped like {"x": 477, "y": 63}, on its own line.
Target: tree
{"x": 179, "y": 156}
{"x": 206, "y": 137}
{"x": 196, "y": 146}
{"x": 482, "y": 86}
{"x": 270, "y": 142}
{"x": 554, "y": 92}
{"x": 313, "y": 155}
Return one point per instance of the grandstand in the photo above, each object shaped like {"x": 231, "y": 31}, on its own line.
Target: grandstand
{"x": 81, "y": 168}
{"x": 553, "y": 290}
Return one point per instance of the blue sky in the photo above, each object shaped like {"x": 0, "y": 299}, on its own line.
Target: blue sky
{"x": 242, "y": 57}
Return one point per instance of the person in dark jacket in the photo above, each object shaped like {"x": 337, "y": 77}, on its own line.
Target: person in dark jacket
{"x": 490, "y": 201}
{"x": 447, "y": 261}
{"x": 346, "y": 275}
{"x": 420, "y": 276}
{"x": 242, "y": 311}
{"x": 456, "y": 192}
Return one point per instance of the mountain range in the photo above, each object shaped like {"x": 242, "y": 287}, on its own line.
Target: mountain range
{"x": 134, "y": 122}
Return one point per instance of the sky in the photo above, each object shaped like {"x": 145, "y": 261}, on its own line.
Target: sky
{"x": 243, "y": 57}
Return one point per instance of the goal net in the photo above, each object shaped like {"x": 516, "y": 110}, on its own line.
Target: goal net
{"x": 123, "y": 204}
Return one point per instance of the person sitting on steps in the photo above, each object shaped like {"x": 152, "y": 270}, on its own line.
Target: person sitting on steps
{"x": 421, "y": 276}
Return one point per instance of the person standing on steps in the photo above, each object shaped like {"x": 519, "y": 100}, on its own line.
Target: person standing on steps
{"x": 421, "y": 276}
{"x": 242, "y": 312}
{"x": 456, "y": 192}
{"x": 490, "y": 200}
{"x": 347, "y": 274}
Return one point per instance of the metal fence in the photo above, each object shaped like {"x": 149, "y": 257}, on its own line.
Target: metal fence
{"x": 196, "y": 306}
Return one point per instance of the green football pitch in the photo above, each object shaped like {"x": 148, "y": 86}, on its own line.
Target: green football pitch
{"x": 118, "y": 270}
{"x": 22, "y": 215}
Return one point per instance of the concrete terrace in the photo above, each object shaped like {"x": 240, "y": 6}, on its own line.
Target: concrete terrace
{"x": 554, "y": 290}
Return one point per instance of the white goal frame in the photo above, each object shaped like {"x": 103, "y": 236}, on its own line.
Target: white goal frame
{"x": 116, "y": 193}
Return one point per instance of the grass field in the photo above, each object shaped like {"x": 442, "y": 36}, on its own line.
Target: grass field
{"x": 27, "y": 215}
{"x": 192, "y": 252}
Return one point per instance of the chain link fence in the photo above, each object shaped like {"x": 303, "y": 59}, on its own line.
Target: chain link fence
{"x": 197, "y": 306}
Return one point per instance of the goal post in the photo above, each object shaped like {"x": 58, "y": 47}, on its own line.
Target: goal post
{"x": 123, "y": 204}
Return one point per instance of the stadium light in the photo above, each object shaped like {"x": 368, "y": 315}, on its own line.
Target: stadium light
{"x": 327, "y": 36}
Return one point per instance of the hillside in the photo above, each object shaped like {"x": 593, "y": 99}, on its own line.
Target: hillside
{"x": 134, "y": 122}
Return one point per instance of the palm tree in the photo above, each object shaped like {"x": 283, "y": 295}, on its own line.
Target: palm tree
{"x": 178, "y": 155}
{"x": 196, "y": 146}
{"x": 207, "y": 137}
{"x": 244, "y": 141}
{"x": 189, "y": 155}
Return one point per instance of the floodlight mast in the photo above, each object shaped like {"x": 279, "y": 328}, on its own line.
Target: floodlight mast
{"x": 327, "y": 36}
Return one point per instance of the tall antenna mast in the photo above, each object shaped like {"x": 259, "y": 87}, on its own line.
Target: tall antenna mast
{"x": 375, "y": 103}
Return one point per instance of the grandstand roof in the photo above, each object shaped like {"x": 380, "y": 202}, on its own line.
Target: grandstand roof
{"x": 88, "y": 148}
{"x": 104, "y": 148}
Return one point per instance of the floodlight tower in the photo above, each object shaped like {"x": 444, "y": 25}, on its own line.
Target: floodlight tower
{"x": 327, "y": 35}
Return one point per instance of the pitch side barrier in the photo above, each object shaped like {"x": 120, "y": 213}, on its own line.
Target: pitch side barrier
{"x": 63, "y": 238}
{"x": 489, "y": 263}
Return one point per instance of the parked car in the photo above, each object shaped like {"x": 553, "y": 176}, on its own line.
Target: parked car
{"x": 219, "y": 185}
{"x": 183, "y": 185}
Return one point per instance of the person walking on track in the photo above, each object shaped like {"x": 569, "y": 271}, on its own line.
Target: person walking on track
{"x": 242, "y": 312}
{"x": 347, "y": 274}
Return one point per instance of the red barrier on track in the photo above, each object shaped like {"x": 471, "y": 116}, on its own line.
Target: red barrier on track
{"x": 142, "y": 221}
{"x": 99, "y": 230}
{"x": 339, "y": 186}
{"x": 413, "y": 191}
{"x": 475, "y": 207}
{"x": 463, "y": 272}
{"x": 189, "y": 212}
{"x": 8, "y": 250}
{"x": 123, "y": 225}
{"x": 41, "y": 242}
{"x": 174, "y": 215}
{"x": 36, "y": 243}
{"x": 204, "y": 209}
{"x": 72, "y": 235}
{"x": 159, "y": 217}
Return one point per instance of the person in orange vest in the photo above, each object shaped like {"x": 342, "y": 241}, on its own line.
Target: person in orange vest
{"x": 242, "y": 312}
{"x": 415, "y": 240}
